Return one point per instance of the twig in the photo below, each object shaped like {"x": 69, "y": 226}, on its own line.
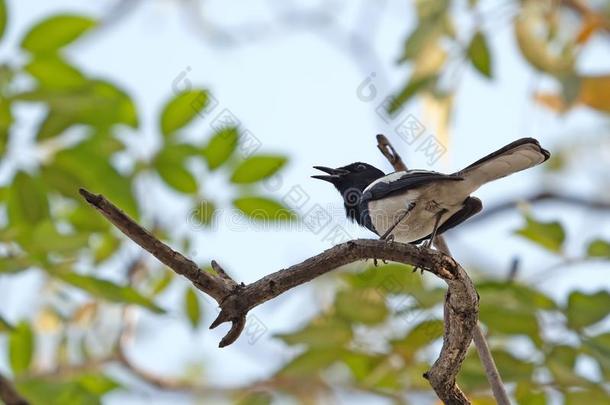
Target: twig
{"x": 9, "y": 394}
{"x": 545, "y": 196}
{"x": 235, "y": 300}
{"x": 491, "y": 371}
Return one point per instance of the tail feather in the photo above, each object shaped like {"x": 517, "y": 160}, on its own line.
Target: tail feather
{"x": 512, "y": 158}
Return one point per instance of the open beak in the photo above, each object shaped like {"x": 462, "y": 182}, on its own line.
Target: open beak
{"x": 333, "y": 174}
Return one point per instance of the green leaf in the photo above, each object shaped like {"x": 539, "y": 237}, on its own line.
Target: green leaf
{"x": 311, "y": 362}
{"x": 97, "y": 383}
{"x": 263, "y": 209}
{"x": 588, "y": 395}
{"x": 561, "y": 362}
{"x": 528, "y": 393}
{"x": 587, "y": 309}
{"x": 256, "y": 168}
{"x": 170, "y": 164}
{"x": 52, "y": 72}
{"x": 106, "y": 247}
{"x": 3, "y": 17}
{"x": 97, "y": 103}
{"x": 56, "y": 32}
{"x": 549, "y": 235}
{"x": 510, "y": 321}
{"x": 6, "y": 120}
{"x": 422, "y": 335}
{"x": 478, "y": 52}
{"x": 512, "y": 368}
{"x": 361, "y": 306}
{"x": 220, "y": 147}
{"x": 411, "y": 88}
{"x": 14, "y": 264}
{"x": 45, "y": 239}
{"x": 39, "y": 391}
{"x": 181, "y": 110}
{"x": 85, "y": 166}
{"x": 27, "y": 201}
{"x": 515, "y": 295}
{"x": 599, "y": 348}
{"x": 254, "y": 398}
{"x": 389, "y": 279}
{"x": 21, "y": 347}
{"x": 203, "y": 213}
{"x": 108, "y": 290}
{"x": 320, "y": 332}
{"x": 54, "y": 124}
{"x": 599, "y": 248}
{"x": 191, "y": 307}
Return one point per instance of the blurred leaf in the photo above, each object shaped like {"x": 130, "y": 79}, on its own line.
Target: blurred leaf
{"x": 6, "y": 120}
{"x": 263, "y": 209}
{"x": 311, "y": 362}
{"x": 588, "y": 395}
{"x": 52, "y": 72}
{"x": 320, "y": 332}
{"x": 514, "y": 295}
{"x": 594, "y": 92}
{"x": 528, "y": 393}
{"x": 3, "y": 17}
{"x": 14, "y": 264}
{"x": 549, "y": 235}
{"x": 21, "y": 347}
{"x": 39, "y": 391}
{"x": 389, "y": 279}
{"x": 472, "y": 376}
{"x": 599, "y": 348}
{"x": 501, "y": 320}
{"x": 45, "y": 239}
{"x": 191, "y": 307}
{"x": 361, "y": 306}
{"x": 27, "y": 201}
{"x": 108, "y": 290}
{"x": 53, "y": 124}
{"x": 587, "y": 309}
{"x": 511, "y": 368}
{"x": 256, "y": 168}
{"x": 412, "y": 87}
{"x": 254, "y": 398}
{"x": 83, "y": 221}
{"x": 96, "y": 383}
{"x": 97, "y": 103}
{"x": 561, "y": 361}
{"x": 5, "y": 326}
{"x": 94, "y": 172}
{"x": 421, "y": 335}
{"x": 55, "y": 32}
{"x": 599, "y": 248}
{"x": 106, "y": 247}
{"x": 220, "y": 147}
{"x": 170, "y": 164}
{"x": 203, "y": 213}
{"x": 160, "y": 284}
{"x": 181, "y": 110}
{"x": 536, "y": 48}
{"x": 478, "y": 52}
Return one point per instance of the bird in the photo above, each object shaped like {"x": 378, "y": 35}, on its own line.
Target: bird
{"x": 414, "y": 206}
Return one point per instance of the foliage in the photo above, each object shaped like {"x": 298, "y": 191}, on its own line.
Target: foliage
{"x": 383, "y": 326}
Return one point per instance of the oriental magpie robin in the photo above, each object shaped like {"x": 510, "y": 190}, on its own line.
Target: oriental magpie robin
{"x": 415, "y": 205}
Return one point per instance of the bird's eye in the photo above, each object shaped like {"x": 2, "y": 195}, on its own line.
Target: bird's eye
{"x": 361, "y": 167}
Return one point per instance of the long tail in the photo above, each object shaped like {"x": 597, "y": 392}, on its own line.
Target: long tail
{"x": 514, "y": 157}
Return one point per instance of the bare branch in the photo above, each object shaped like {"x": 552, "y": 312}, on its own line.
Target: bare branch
{"x": 386, "y": 148}
{"x": 235, "y": 300}
{"x": 546, "y": 196}
{"x": 9, "y": 394}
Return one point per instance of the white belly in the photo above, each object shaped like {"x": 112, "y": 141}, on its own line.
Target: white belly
{"x": 419, "y": 223}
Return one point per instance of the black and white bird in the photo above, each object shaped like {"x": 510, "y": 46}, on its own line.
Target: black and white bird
{"x": 416, "y": 205}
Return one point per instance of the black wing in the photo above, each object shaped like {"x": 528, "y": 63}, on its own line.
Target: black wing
{"x": 409, "y": 181}
{"x": 472, "y": 206}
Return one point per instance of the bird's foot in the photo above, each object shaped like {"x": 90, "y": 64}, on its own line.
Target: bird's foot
{"x": 389, "y": 239}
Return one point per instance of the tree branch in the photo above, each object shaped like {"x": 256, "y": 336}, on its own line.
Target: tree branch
{"x": 452, "y": 330}
{"x": 9, "y": 394}
{"x": 235, "y": 300}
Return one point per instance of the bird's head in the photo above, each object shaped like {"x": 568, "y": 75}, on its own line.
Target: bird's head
{"x": 356, "y": 176}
